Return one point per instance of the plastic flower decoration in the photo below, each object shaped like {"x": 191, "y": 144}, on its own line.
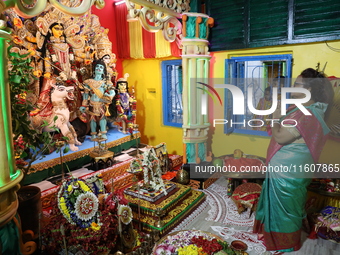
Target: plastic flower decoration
{"x": 125, "y": 214}
{"x": 86, "y": 206}
{"x": 79, "y": 204}
{"x": 19, "y": 146}
{"x": 21, "y": 97}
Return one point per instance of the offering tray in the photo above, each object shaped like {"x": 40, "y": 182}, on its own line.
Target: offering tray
{"x": 175, "y": 242}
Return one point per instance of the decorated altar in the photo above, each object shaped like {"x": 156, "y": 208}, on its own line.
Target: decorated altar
{"x": 62, "y": 75}
{"x": 50, "y": 165}
{"x": 116, "y": 177}
{"x": 162, "y": 213}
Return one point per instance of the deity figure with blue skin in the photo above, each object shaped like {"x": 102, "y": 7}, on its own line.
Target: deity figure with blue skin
{"x": 98, "y": 94}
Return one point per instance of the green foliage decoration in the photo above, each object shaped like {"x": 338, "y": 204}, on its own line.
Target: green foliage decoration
{"x": 29, "y": 144}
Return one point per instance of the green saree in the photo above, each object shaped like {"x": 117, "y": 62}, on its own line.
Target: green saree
{"x": 280, "y": 210}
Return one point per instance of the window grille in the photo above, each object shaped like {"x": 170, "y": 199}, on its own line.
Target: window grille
{"x": 172, "y": 93}
{"x": 258, "y": 72}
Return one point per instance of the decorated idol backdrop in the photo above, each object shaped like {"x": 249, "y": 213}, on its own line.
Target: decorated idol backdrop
{"x": 70, "y": 75}
{"x": 61, "y": 72}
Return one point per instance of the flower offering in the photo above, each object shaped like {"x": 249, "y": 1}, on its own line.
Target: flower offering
{"x": 192, "y": 242}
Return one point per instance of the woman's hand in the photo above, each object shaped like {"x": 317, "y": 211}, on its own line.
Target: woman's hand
{"x": 277, "y": 113}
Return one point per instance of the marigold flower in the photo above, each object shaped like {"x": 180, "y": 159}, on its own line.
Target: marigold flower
{"x": 84, "y": 186}
{"x": 95, "y": 226}
{"x": 32, "y": 51}
{"x": 17, "y": 40}
{"x": 37, "y": 73}
{"x": 63, "y": 208}
{"x": 87, "y": 61}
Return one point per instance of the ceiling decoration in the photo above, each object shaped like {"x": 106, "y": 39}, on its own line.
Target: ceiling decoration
{"x": 32, "y": 8}
{"x": 156, "y": 15}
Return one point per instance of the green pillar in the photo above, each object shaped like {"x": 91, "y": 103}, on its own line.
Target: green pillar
{"x": 195, "y": 63}
{"x": 9, "y": 175}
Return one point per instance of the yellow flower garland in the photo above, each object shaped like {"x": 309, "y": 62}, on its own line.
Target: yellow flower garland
{"x": 64, "y": 208}
{"x": 69, "y": 188}
{"x": 189, "y": 250}
{"x": 84, "y": 186}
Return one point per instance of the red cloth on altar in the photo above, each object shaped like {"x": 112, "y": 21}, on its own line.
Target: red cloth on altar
{"x": 246, "y": 196}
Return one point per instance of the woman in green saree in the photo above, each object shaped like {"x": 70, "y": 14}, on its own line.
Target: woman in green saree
{"x": 280, "y": 210}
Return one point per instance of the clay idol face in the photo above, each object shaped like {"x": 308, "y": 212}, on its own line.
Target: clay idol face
{"x": 57, "y": 30}
{"x": 99, "y": 69}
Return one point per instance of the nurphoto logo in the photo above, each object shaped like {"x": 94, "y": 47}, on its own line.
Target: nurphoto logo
{"x": 243, "y": 103}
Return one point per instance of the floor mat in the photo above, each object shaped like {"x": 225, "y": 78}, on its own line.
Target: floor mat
{"x": 224, "y": 210}
{"x": 235, "y": 226}
{"x": 254, "y": 246}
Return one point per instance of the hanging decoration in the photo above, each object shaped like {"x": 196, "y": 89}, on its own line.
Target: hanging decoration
{"x": 32, "y": 8}
{"x": 139, "y": 42}
{"x": 125, "y": 214}
{"x": 79, "y": 204}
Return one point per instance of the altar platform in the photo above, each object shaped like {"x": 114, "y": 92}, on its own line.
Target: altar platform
{"x": 116, "y": 177}
{"x": 51, "y": 166}
{"x": 167, "y": 211}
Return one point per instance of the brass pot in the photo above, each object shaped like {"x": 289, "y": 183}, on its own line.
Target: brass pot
{"x": 182, "y": 177}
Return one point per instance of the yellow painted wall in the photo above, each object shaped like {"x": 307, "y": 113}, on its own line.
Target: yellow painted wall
{"x": 304, "y": 56}
{"x": 146, "y": 77}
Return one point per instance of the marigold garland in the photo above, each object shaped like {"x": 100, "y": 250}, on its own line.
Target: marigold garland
{"x": 94, "y": 239}
{"x": 78, "y": 203}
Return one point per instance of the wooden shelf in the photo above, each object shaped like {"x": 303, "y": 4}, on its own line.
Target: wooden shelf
{"x": 324, "y": 192}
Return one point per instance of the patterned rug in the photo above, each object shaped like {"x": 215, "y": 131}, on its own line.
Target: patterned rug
{"x": 234, "y": 226}
{"x": 224, "y": 210}
{"x": 254, "y": 246}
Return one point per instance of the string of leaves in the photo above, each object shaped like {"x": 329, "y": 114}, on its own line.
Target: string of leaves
{"x": 34, "y": 143}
